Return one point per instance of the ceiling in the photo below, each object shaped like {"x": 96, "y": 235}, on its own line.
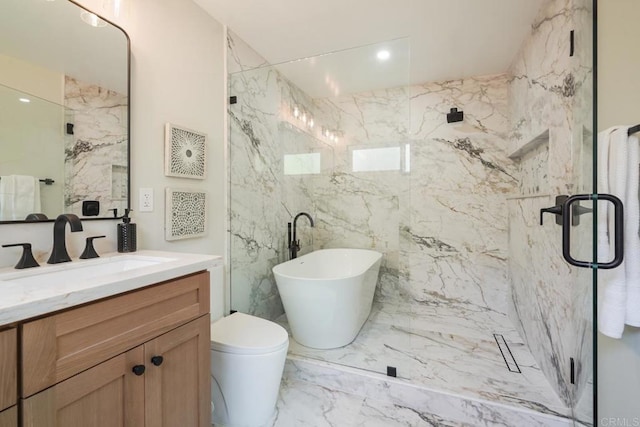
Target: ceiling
{"x": 448, "y": 39}
{"x": 52, "y": 35}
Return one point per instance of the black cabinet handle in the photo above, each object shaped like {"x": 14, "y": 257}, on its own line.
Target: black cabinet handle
{"x": 138, "y": 370}
{"x": 157, "y": 360}
{"x": 618, "y": 233}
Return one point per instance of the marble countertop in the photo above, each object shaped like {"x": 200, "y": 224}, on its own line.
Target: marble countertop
{"x": 23, "y": 295}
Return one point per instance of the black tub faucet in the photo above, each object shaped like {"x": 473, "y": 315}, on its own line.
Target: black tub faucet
{"x": 294, "y": 244}
{"x": 59, "y": 252}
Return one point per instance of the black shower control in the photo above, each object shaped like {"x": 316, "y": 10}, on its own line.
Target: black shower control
{"x": 556, "y": 210}
{"x": 576, "y": 211}
{"x": 90, "y": 208}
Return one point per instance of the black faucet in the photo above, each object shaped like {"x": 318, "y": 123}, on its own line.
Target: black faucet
{"x": 294, "y": 244}
{"x": 59, "y": 252}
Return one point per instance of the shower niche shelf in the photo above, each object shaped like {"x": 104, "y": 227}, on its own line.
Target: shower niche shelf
{"x": 532, "y": 160}
{"x": 533, "y": 144}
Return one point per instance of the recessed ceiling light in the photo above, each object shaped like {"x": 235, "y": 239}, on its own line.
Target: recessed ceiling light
{"x": 25, "y": 100}
{"x": 383, "y": 55}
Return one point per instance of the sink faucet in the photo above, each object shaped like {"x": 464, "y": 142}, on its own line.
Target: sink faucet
{"x": 294, "y": 244}
{"x": 59, "y": 252}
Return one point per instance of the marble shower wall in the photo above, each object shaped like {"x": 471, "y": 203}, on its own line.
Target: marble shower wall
{"x": 96, "y": 154}
{"x": 550, "y": 99}
{"x": 440, "y": 219}
{"x": 262, "y": 198}
{"x": 365, "y": 209}
{"x": 460, "y": 177}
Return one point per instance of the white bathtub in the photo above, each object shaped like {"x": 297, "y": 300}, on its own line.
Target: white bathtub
{"x": 327, "y": 294}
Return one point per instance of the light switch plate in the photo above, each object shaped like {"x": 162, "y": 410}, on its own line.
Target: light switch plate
{"x": 146, "y": 200}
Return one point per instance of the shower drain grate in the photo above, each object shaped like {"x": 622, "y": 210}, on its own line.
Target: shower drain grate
{"x": 509, "y": 360}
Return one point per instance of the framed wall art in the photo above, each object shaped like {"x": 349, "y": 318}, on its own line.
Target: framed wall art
{"x": 185, "y": 213}
{"x": 185, "y": 152}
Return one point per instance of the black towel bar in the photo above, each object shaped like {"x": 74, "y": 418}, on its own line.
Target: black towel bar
{"x": 47, "y": 181}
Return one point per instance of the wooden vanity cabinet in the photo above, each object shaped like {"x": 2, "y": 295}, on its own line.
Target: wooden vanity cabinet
{"x": 9, "y": 417}
{"x": 8, "y": 368}
{"x": 8, "y": 378}
{"x": 178, "y": 390}
{"x": 139, "y": 359}
{"x": 109, "y": 394}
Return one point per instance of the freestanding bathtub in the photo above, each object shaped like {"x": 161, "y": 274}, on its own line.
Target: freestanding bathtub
{"x": 327, "y": 294}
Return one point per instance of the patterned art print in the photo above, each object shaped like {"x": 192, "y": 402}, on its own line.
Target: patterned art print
{"x": 185, "y": 152}
{"x": 186, "y": 213}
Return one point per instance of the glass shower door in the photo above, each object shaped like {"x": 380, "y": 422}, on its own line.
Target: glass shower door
{"x": 313, "y": 135}
{"x": 469, "y": 269}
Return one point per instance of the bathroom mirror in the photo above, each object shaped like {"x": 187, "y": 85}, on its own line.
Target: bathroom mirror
{"x": 64, "y": 112}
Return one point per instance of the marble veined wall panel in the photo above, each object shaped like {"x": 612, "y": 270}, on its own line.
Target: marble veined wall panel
{"x": 363, "y": 208}
{"x": 551, "y": 92}
{"x": 460, "y": 178}
{"x": 439, "y": 216}
{"x": 96, "y": 154}
{"x": 441, "y": 220}
{"x": 263, "y": 199}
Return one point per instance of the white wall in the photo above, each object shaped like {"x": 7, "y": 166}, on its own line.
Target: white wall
{"x": 32, "y": 79}
{"x": 178, "y": 76}
{"x": 618, "y": 103}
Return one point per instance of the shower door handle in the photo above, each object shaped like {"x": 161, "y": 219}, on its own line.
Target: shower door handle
{"x": 618, "y": 233}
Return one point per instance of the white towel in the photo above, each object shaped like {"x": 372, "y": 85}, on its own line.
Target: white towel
{"x": 618, "y": 174}
{"x": 612, "y": 310}
{"x": 603, "y": 187}
{"x": 19, "y": 196}
{"x": 631, "y": 230}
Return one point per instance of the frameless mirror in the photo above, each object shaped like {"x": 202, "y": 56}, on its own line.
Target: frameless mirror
{"x": 64, "y": 112}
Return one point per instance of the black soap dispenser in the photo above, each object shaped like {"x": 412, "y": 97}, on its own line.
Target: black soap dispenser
{"x": 126, "y": 234}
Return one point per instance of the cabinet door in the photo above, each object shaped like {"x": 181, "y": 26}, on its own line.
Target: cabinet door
{"x": 9, "y": 417}
{"x": 8, "y": 368}
{"x": 107, "y": 395}
{"x": 59, "y": 346}
{"x": 177, "y": 390}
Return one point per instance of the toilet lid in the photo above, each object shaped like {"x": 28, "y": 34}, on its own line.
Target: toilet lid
{"x": 241, "y": 333}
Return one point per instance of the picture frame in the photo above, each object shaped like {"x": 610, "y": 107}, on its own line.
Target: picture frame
{"x": 185, "y": 152}
{"x": 185, "y": 213}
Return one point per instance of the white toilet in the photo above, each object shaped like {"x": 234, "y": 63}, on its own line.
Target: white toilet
{"x": 247, "y": 360}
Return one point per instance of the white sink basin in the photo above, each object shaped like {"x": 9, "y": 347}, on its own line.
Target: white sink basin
{"x": 81, "y": 270}
{"x": 36, "y": 291}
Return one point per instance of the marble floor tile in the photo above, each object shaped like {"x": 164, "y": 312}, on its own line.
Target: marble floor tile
{"x": 305, "y": 404}
{"x": 451, "y": 349}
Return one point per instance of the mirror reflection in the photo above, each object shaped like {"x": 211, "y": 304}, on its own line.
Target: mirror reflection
{"x": 64, "y": 115}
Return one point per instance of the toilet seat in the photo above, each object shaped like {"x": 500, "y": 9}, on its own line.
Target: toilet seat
{"x": 241, "y": 333}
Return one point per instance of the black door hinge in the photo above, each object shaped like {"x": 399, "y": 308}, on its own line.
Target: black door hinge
{"x": 571, "y": 43}
{"x": 572, "y": 373}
